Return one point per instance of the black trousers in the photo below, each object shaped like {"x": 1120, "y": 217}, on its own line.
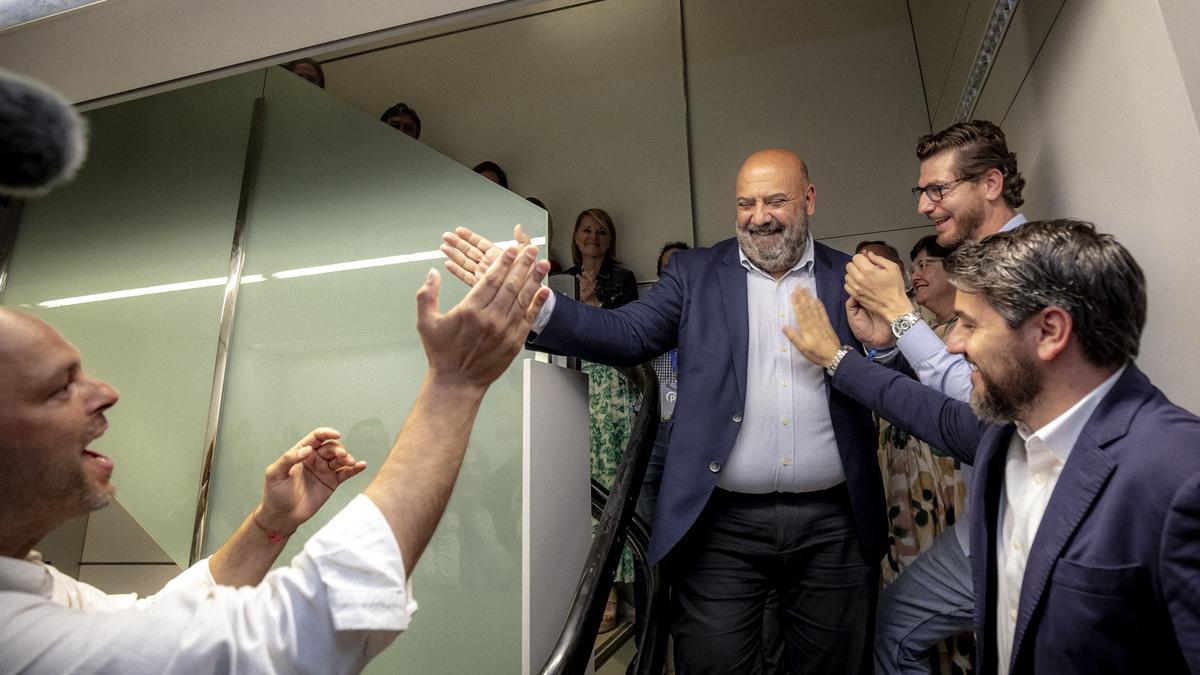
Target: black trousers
{"x": 800, "y": 547}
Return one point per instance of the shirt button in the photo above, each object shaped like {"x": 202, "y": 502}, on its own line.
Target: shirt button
{"x": 714, "y": 467}
{"x": 783, "y": 349}
{"x": 1012, "y": 615}
{"x": 737, "y": 417}
{"x": 783, "y": 384}
{"x": 786, "y": 421}
{"x": 1016, "y": 544}
{"x": 787, "y": 461}
{"x": 1038, "y": 479}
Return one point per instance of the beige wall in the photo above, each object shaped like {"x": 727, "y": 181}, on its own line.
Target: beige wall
{"x": 585, "y": 106}
{"x": 1105, "y": 130}
{"x": 837, "y": 82}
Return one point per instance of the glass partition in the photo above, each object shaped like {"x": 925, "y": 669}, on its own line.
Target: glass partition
{"x": 344, "y": 221}
{"x": 129, "y": 263}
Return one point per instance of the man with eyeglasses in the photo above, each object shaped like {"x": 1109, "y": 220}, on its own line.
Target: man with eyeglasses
{"x": 970, "y": 188}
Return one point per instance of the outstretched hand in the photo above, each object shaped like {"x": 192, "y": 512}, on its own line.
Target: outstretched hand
{"x": 299, "y": 483}
{"x": 471, "y": 254}
{"x": 878, "y": 285}
{"x": 813, "y": 335}
{"x": 475, "y": 341}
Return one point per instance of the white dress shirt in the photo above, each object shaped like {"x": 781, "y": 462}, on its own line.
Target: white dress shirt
{"x": 948, "y": 373}
{"x": 343, "y": 600}
{"x": 786, "y": 442}
{"x": 1035, "y": 461}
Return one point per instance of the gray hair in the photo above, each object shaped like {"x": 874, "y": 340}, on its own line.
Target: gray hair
{"x": 1065, "y": 264}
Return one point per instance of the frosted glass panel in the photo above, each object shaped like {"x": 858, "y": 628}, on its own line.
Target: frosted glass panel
{"x": 154, "y": 204}
{"x": 315, "y": 345}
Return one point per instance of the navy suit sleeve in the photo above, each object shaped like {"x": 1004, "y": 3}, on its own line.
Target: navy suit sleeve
{"x": 933, "y": 417}
{"x": 1181, "y": 569}
{"x": 625, "y": 336}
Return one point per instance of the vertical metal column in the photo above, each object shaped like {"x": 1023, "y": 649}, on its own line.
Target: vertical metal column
{"x": 10, "y": 217}
{"x": 237, "y": 259}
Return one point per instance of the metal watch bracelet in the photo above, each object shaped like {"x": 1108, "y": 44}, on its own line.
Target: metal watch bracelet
{"x": 837, "y": 359}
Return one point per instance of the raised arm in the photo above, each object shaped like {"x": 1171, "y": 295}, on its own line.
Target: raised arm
{"x": 467, "y": 348}
{"x": 470, "y": 254}
{"x": 876, "y": 285}
{"x": 296, "y": 486}
{"x": 933, "y": 417}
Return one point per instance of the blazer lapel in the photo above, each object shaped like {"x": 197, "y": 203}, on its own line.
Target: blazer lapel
{"x": 1082, "y": 479}
{"x": 829, "y": 284}
{"x": 984, "y": 494}
{"x": 732, "y": 278}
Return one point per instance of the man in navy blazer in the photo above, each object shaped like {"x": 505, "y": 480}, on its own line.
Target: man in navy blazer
{"x": 1086, "y": 497}
{"x": 770, "y": 478}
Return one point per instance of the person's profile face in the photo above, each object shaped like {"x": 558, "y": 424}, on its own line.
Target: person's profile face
{"x": 52, "y": 414}
{"x": 1005, "y": 378}
{"x": 405, "y": 124}
{"x": 962, "y": 209}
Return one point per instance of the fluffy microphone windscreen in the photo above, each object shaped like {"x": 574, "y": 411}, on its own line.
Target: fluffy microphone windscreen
{"x": 41, "y": 137}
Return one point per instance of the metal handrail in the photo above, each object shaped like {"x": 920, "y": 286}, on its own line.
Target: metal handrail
{"x": 618, "y": 522}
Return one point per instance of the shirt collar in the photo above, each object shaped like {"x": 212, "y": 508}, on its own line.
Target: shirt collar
{"x": 1063, "y": 431}
{"x": 805, "y": 261}
{"x": 1014, "y": 222}
{"x": 26, "y": 576}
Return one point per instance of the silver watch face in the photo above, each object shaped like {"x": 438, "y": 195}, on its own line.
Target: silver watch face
{"x": 902, "y": 324}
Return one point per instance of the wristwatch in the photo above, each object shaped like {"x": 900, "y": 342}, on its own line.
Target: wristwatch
{"x": 837, "y": 359}
{"x": 904, "y": 322}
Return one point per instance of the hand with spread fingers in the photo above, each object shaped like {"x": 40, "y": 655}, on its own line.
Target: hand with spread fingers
{"x": 471, "y": 254}
{"x": 476, "y": 340}
{"x": 813, "y": 335}
{"x": 878, "y": 285}
{"x": 300, "y": 482}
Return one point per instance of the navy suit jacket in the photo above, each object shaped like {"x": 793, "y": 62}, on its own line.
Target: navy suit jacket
{"x": 700, "y": 306}
{"x": 1112, "y": 583}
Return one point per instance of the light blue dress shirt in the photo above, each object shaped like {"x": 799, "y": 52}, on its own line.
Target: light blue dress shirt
{"x": 786, "y": 442}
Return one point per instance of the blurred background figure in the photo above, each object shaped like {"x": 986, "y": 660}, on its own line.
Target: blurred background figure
{"x": 601, "y": 281}
{"x": 885, "y": 250}
{"x": 555, "y": 266}
{"x": 492, "y": 171}
{"x": 309, "y": 70}
{"x": 404, "y": 119}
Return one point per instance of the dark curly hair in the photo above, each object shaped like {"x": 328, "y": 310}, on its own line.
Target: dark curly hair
{"x": 981, "y": 147}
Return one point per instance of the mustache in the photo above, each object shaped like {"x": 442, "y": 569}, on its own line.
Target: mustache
{"x": 766, "y": 228}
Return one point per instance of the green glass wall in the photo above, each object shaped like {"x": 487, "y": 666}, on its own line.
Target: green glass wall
{"x": 154, "y": 204}
{"x": 344, "y": 219}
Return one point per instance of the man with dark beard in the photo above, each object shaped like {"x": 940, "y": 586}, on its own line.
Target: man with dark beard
{"x": 770, "y": 481}
{"x": 1085, "y": 503}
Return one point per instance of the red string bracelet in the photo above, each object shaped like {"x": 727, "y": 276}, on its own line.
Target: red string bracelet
{"x": 274, "y": 537}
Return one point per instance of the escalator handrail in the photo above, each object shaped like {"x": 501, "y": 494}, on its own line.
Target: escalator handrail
{"x": 573, "y": 650}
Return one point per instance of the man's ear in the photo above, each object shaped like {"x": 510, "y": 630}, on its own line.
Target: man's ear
{"x": 993, "y": 182}
{"x": 1052, "y": 329}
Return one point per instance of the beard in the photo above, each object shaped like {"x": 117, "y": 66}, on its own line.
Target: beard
{"x": 1008, "y": 395}
{"x": 968, "y": 221}
{"x": 781, "y": 254}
